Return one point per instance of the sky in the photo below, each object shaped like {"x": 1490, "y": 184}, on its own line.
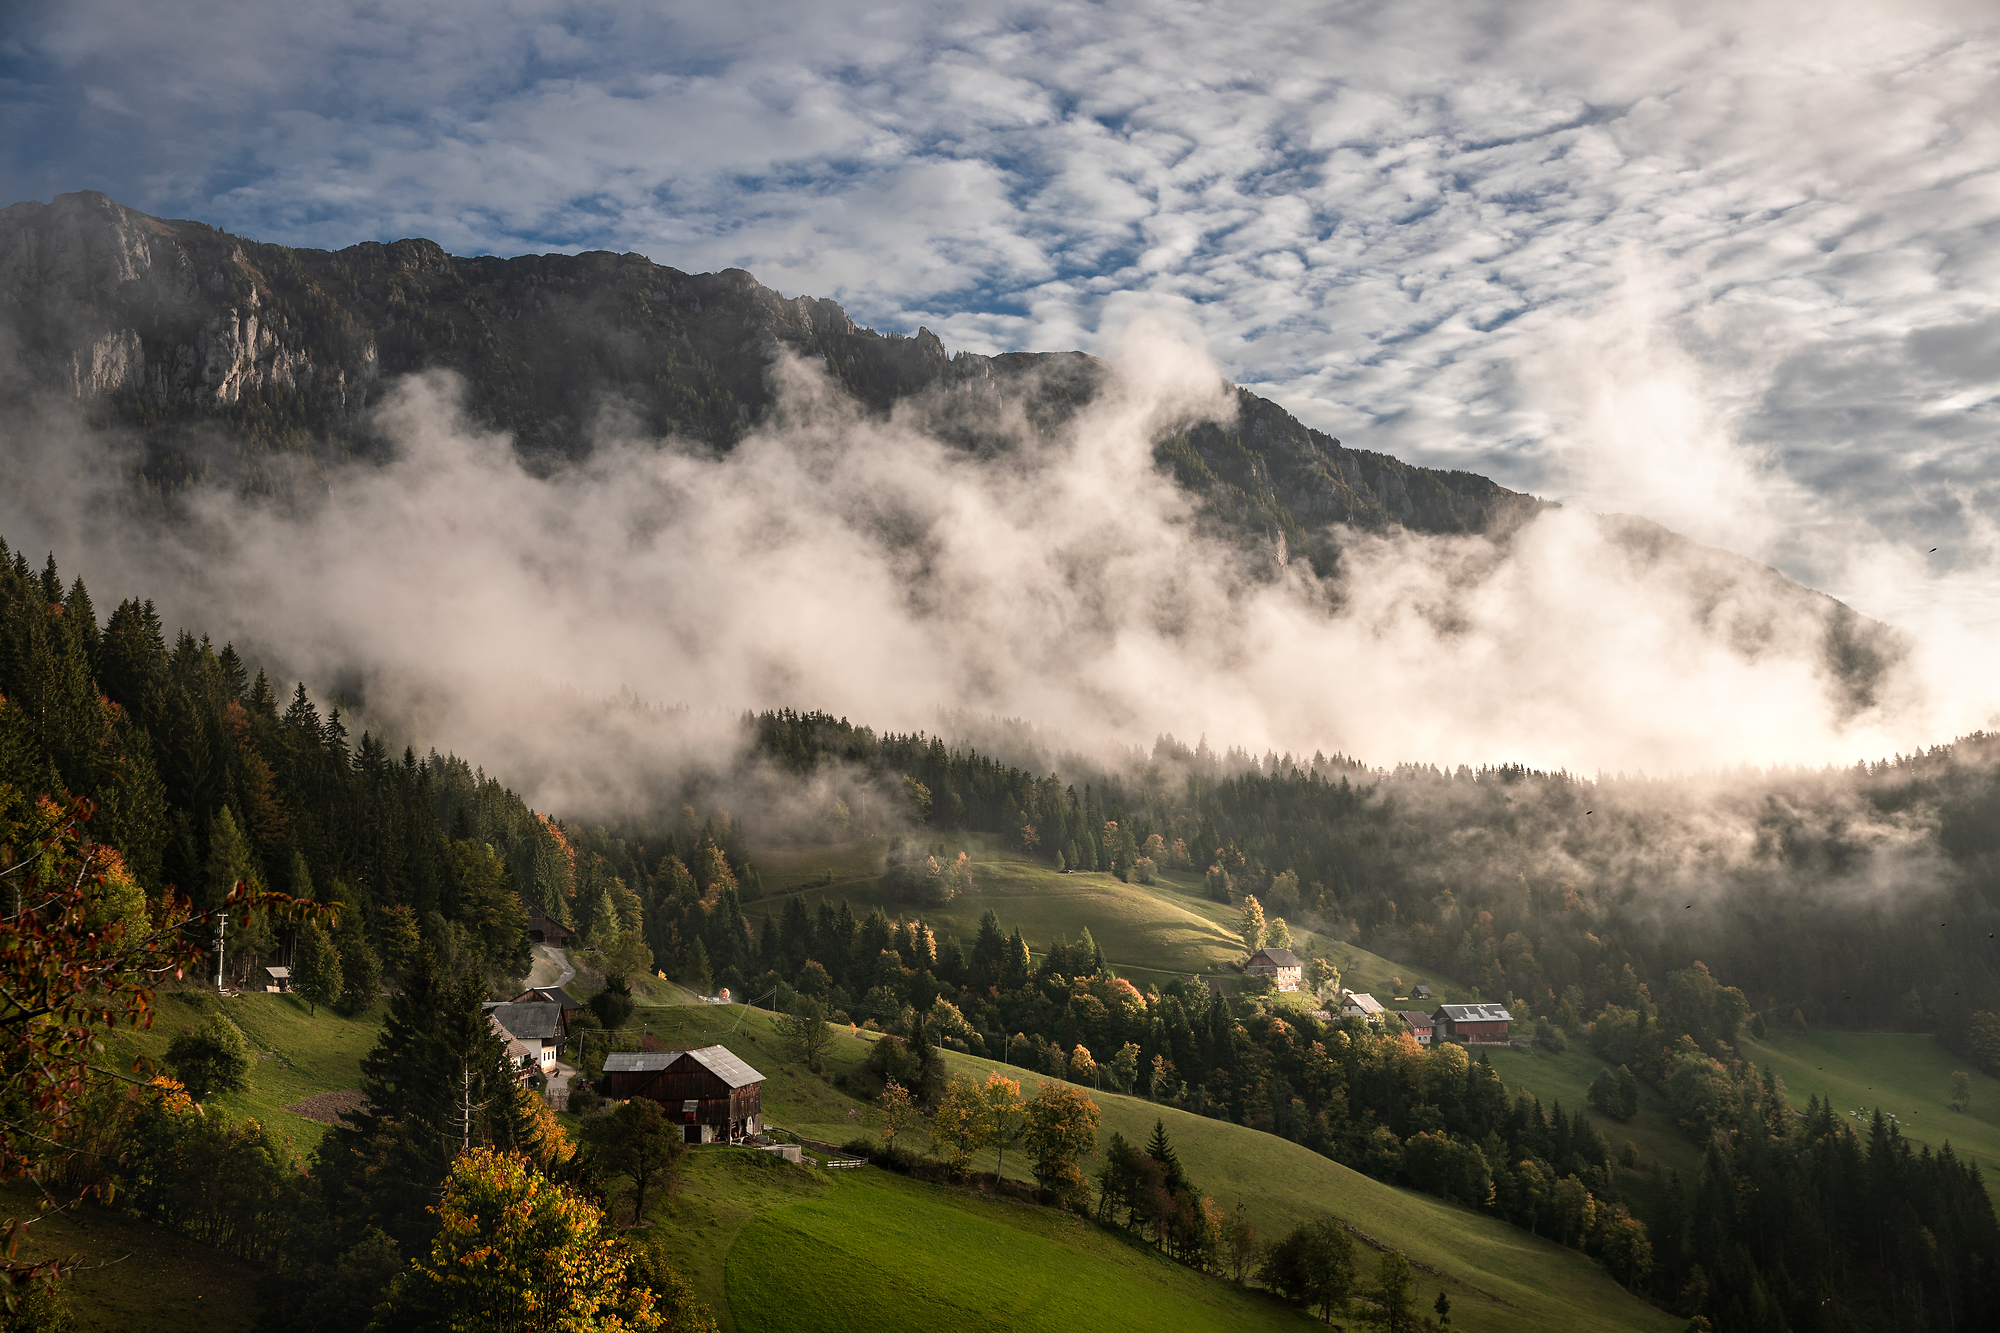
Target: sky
{"x": 1731, "y": 266}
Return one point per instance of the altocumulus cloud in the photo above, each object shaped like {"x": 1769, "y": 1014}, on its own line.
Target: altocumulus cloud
{"x": 1729, "y": 265}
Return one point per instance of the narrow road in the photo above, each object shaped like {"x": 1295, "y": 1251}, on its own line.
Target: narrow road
{"x": 558, "y": 958}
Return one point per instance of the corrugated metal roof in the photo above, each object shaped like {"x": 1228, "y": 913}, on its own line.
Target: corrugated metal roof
{"x": 1476, "y": 1013}
{"x": 721, "y": 1062}
{"x": 639, "y": 1062}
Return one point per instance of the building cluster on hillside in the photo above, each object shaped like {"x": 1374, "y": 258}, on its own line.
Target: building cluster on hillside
{"x": 1473, "y": 1024}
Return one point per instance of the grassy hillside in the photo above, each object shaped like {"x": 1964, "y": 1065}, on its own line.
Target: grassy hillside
{"x": 1499, "y": 1278}
{"x": 1148, "y": 933}
{"x": 296, "y": 1054}
{"x": 138, "y": 1279}
{"x": 1564, "y": 1078}
{"x": 1907, "y": 1075}
{"x": 774, "y": 1247}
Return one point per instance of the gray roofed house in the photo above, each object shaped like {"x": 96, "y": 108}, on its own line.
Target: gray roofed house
{"x": 717, "y": 1060}
{"x": 1422, "y": 1026}
{"x": 1476, "y": 1013}
{"x": 529, "y": 1022}
{"x": 538, "y": 1027}
{"x": 1280, "y": 963}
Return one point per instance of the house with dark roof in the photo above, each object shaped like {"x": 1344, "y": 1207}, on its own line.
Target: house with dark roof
{"x": 1422, "y": 1026}
{"x": 1477, "y": 1024}
{"x": 1279, "y": 963}
{"x": 710, "y": 1093}
{"x": 555, "y": 995}
{"x": 539, "y": 1027}
{"x": 1422, "y": 993}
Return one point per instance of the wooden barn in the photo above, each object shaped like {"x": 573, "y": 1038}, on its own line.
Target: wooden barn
{"x": 712, "y": 1095}
{"x": 544, "y": 929}
{"x": 1477, "y": 1024}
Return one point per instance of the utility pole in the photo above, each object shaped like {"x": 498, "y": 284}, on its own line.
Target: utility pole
{"x": 221, "y": 927}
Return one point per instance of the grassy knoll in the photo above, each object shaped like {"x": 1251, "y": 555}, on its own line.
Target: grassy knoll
{"x": 1149, "y": 933}
{"x": 871, "y": 1250}
{"x": 296, "y": 1054}
{"x": 722, "y": 1190}
{"x": 775, "y": 1247}
{"x": 1906, "y": 1074}
{"x": 1499, "y": 1277}
{"x": 1564, "y": 1078}
{"x": 151, "y": 1281}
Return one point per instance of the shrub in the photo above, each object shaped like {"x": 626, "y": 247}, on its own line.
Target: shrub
{"x": 210, "y": 1059}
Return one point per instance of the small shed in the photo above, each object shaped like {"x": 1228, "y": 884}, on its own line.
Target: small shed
{"x": 279, "y": 980}
{"x": 714, "y": 1096}
{"x": 1477, "y": 1024}
{"x": 1422, "y": 993}
{"x": 1280, "y": 963}
{"x": 545, "y": 929}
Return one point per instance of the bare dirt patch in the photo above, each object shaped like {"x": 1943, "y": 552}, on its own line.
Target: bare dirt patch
{"x": 328, "y": 1107}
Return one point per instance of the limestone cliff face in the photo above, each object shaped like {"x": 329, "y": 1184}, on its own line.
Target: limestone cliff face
{"x": 123, "y": 308}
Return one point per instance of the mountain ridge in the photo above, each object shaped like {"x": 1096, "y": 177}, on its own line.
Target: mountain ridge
{"x": 158, "y": 325}
{"x": 172, "y": 329}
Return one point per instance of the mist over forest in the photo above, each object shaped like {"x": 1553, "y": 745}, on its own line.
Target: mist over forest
{"x": 423, "y": 621}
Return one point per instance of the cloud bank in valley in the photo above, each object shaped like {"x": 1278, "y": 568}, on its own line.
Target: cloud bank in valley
{"x": 842, "y": 562}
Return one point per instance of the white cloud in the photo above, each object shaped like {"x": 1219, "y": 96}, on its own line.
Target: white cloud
{"x": 1727, "y": 264}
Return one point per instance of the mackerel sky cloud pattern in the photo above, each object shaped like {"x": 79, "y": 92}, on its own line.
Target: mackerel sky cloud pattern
{"x": 1731, "y": 265}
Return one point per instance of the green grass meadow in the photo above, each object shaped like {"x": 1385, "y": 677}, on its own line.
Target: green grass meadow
{"x": 870, "y": 1250}
{"x": 294, "y": 1053}
{"x": 1565, "y": 1078}
{"x": 136, "y": 1278}
{"x": 1149, "y": 933}
{"x": 1905, "y": 1074}
{"x": 1499, "y": 1277}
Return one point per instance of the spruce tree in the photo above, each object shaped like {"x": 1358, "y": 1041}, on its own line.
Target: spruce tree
{"x": 316, "y": 967}
{"x": 230, "y": 859}
{"x": 435, "y": 1082}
